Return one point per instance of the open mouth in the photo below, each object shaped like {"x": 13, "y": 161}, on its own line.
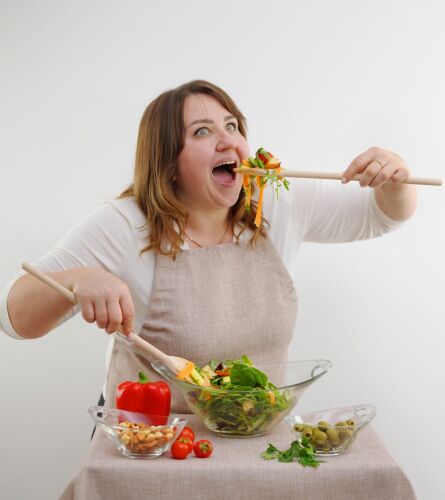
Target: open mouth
{"x": 223, "y": 172}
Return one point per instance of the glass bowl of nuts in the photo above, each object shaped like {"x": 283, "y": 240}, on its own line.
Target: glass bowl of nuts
{"x": 138, "y": 435}
{"x": 331, "y": 432}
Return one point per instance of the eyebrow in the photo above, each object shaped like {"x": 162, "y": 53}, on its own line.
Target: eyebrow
{"x": 205, "y": 120}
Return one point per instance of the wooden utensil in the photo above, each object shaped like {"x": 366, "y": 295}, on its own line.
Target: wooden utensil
{"x": 174, "y": 363}
{"x": 329, "y": 175}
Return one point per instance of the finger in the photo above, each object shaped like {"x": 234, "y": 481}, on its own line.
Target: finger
{"x": 114, "y": 315}
{"x": 357, "y": 165}
{"x": 127, "y": 308}
{"x": 383, "y": 176}
{"x": 87, "y": 310}
{"x": 370, "y": 173}
{"x": 100, "y": 310}
{"x": 400, "y": 175}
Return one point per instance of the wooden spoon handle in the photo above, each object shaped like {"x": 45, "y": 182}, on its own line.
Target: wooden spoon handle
{"x": 330, "y": 176}
{"x": 68, "y": 294}
{"x": 149, "y": 349}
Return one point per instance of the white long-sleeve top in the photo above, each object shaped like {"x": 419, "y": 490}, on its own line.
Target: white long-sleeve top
{"x": 112, "y": 236}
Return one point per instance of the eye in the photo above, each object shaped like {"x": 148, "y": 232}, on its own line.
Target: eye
{"x": 203, "y": 131}
{"x": 232, "y": 127}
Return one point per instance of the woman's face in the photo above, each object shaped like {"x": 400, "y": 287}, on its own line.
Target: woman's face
{"x": 213, "y": 146}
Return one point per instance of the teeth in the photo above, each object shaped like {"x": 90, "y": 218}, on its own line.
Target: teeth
{"x": 229, "y": 163}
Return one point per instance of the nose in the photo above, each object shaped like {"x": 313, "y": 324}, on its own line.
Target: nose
{"x": 225, "y": 141}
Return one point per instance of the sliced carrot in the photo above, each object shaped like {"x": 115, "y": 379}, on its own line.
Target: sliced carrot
{"x": 248, "y": 194}
{"x": 183, "y": 374}
{"x": 272, "y": 163}
{"x": 278, "y": 170}
{"x": 260, "y": 205}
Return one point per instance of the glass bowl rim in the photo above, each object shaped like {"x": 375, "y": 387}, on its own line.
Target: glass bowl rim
{"x": 325, "y": 364}
{"x": 177, "y": 419}
{"x": 367, "y": 418}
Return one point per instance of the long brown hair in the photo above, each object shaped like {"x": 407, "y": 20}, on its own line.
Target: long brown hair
{"x": 160, "y": 140}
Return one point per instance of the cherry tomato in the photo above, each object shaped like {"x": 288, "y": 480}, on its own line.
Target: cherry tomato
{"x": 203, "y": 448}
{"x": 186, "y": 441}
{"x": 188, "y": 433}
{"x": 180, "y": 450}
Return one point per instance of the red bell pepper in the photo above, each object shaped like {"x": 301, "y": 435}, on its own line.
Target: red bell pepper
{"x": 263, "y": 158}
{"x": 143, "y": 396}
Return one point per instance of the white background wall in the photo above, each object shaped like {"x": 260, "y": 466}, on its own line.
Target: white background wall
{"x": 319, "y": 82}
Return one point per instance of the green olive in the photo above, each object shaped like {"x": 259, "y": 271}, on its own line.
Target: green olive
{"x": 345, "y": 434}
{"x": 315, "y": 445}
{"x": 307, "y": 432}
{"x": 334, "y": 436}
{"x": 299, "y": 427}
{"x": 323, "y": 425}
{"x": 350, "y": 422}
{"x": 319, "y": 436}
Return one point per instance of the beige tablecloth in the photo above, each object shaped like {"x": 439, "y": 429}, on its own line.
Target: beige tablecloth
{"x": 236, "y": 470}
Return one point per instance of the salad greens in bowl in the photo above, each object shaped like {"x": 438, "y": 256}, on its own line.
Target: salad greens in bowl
{"x": 237, "y": 399}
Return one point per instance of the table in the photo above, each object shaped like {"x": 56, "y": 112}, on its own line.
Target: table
{"x": 236, "y": 470}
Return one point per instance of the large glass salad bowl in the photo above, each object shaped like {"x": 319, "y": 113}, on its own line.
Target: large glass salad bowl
{"x": 248, "y": 400}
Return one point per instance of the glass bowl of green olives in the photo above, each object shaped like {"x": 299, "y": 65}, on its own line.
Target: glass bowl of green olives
{"x": 332, "y": 431}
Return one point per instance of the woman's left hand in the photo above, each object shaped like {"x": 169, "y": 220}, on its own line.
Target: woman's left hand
{"x": 377, "y": 167}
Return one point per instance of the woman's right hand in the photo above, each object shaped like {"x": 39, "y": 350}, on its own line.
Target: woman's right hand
{"x": 103, "y": 299}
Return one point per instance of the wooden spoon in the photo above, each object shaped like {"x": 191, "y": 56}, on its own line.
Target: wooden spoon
{"x": 174, "y": 363}
{"x": 328, "y": 175}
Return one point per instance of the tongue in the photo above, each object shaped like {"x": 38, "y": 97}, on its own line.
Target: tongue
{"x": 222, "y": 175}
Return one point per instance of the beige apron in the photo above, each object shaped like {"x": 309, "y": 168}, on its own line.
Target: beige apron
{"x": 218, "y": 303}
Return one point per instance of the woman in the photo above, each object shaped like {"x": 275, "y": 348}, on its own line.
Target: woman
{"x": 177, "y": 258}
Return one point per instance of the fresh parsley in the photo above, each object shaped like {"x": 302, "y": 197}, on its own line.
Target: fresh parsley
{"x": 302, "y": 452}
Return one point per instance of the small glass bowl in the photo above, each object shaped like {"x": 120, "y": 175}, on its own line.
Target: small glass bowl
{"x": 138, "y": 435}
{"x": 251, "y": 412}
{"x": 332, "y": 431}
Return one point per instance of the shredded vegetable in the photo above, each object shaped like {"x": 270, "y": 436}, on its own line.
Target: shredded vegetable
{"x": 235, "y": 397}
{"x": 272, "y": 165}
{"x": 185, "y": 373}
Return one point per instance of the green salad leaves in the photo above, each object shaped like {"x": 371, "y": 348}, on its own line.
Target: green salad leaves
{"x": 239, "y": 399}
{"x": 248, "y": 376}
